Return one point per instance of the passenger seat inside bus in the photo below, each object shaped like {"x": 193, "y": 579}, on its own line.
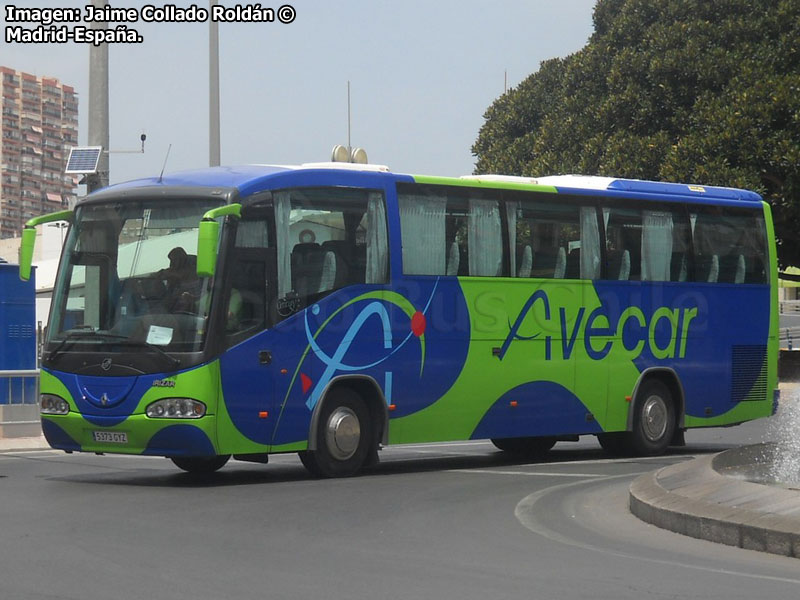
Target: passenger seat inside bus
{"x": 707, "y": 268}
{"x": 453, "y": 260}
{"x": 318, "y": 269}
{"x": 347, "y": 269}
{"x": 561, "y": 264}
{"x": 306, "y": 261}
{"x": 525, "y": 262}
{"x": 327, "y": 276}
{"x": 618, "y": 264}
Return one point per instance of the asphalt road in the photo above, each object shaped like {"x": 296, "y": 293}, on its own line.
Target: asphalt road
{"x": 437, "y": 521}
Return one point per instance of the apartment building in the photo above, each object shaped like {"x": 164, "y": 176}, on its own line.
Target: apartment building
{"x": 39, "y": 124}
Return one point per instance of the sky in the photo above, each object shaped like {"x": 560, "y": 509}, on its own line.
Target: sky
{"x": 422, "y": 74}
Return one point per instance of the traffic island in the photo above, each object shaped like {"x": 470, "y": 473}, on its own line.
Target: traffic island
{"x": 711, "y": 498}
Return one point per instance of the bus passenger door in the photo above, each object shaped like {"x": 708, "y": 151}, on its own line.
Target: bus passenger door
{"x": 246, "y": 363}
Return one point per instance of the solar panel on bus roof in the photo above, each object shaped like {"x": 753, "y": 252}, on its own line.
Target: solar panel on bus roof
{"x": 83, "y": 159}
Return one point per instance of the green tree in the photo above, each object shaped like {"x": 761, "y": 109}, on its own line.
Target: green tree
{"x": 704, "y": 91}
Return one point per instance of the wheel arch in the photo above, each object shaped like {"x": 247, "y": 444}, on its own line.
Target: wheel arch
{"x": 668, "y": 377}
{"x": 372, "y": 394}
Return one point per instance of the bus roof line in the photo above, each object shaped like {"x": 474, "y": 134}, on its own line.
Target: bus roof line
{"x": 246, "y": 178}
{"x": 491, "y": 183}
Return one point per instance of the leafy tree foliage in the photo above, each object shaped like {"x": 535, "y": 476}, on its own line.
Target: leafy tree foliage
{"x": 704, "y": 91}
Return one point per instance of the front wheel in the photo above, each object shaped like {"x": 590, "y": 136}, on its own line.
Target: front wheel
{"x": 344, "y": 437}
{"x": 200, "y": 464}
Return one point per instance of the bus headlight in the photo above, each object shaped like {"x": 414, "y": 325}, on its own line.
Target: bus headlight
{"x": 176, "y": 408}
{"x": 51, "y": 404}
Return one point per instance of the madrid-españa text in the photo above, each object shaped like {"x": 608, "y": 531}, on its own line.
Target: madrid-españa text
{"x": 633, "y": 330}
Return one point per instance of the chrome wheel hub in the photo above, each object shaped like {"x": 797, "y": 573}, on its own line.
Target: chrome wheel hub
{"x": 342, "y": 433}
{"x": 654, "y": 418}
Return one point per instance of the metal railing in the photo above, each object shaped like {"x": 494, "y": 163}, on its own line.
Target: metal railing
{"x": 789, "y": 307}
{"x": 789, "y": 334}
{"x": 19, "y": 388}
{"x": 789, "y": 337}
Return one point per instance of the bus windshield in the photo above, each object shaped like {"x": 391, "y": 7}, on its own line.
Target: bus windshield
{"x": 128, "y": 277}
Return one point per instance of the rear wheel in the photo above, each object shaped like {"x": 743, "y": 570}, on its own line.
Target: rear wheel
{"x": 654, "y": 424}
{"x": 653, "y": 420}
{"x": 525, "y": 446}
{"x": 344, "y": 437}
{"x": 200, "y": 464}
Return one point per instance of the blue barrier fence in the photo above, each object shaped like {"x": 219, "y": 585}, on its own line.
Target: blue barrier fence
{"x": 19, "y": 387}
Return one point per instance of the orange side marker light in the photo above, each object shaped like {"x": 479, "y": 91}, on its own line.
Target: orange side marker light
{"x": 392, "y": 406}
{"x": 628, "y": 398}
{"x": 513, "y": 404}
{"x": 263, "y": 414}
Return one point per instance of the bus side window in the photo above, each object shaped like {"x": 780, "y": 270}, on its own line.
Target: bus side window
{"x": 246, "y": 304}
{"x": 451, "y": 231}
{"x": 546, "y": 239}
{"x": 456, "y": 227}
{"x": 424, "y": 241}
{"x": 328, "y": 238}
{"x": 728, "y": 246}
{"x": 664, "y": 245}
{"x": 680, "y": 261}
{"x": 623, "y": 243}
{"x": 246, "y": 299}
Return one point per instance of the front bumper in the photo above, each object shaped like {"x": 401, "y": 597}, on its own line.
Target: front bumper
{"x": 142, "y": 435}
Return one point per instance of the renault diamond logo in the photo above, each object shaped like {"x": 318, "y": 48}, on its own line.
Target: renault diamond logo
{"x": 106, "y": 364}
{"x": 104, "y": 399}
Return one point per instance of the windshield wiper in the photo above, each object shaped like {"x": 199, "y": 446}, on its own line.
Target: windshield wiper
{"x": 143, "y": 344}
{"x": 73, "y": 336}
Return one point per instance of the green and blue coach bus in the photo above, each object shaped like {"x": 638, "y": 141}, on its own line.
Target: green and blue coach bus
{"x": 331, "y": 309}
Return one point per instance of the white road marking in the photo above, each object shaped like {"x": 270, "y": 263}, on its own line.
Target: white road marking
{"x": 528, "y": 473}
{"x": 525, "y": 514}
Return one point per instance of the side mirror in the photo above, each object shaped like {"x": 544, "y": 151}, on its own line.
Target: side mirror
{"x": 26, "y": 252}
{"x": 208, "y": 237}
{"x": 29, "y": 239}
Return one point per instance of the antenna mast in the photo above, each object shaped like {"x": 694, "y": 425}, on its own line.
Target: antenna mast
{"x": 349, "y": 147}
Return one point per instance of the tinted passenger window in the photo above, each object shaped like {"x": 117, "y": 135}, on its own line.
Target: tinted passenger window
{"x": 547, "y": 240}
{"x": 448, "y": 231}
{"x": 729, "y": 247}
{"x": 246, "y": 299}
{"x": 623, "y": 243}
{"x": 328, "y": 238}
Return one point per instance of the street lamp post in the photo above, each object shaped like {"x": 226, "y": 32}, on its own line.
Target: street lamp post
{"x": 98, "y": 105}
{"x": 213, "y": 85}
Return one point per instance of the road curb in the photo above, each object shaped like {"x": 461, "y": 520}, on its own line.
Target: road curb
{"x": 22, "y": 444}
{"x": 693, "y": 499}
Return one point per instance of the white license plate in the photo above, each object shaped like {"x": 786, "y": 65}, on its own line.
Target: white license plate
{"x": 110, "y": 437}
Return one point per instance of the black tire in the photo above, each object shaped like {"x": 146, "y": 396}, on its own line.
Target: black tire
{"x": 344, "y": 436}
{"x": 525, "y": 446}
{"x": 200, "y": 464}
{"x": 654, "y": 419}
